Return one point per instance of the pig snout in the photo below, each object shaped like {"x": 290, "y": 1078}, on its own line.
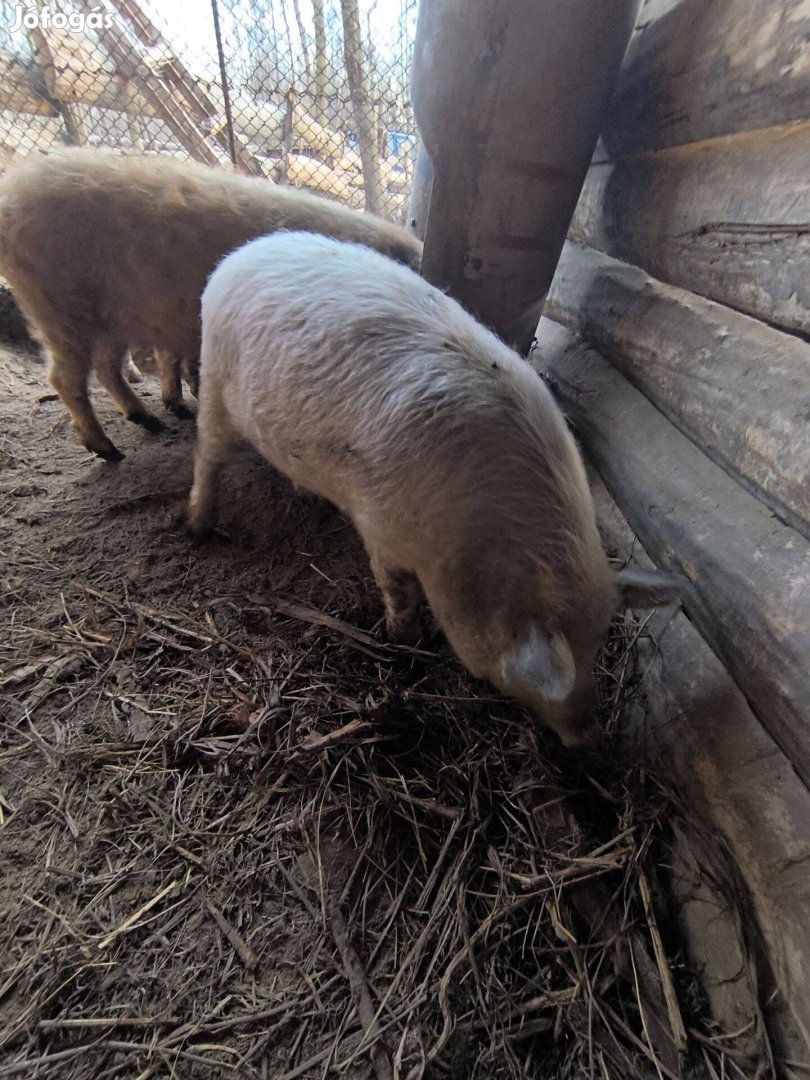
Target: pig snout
{"x": 543, "y": 673}
{"x": 574, "y": 721}
{"x": 579, "y": 732}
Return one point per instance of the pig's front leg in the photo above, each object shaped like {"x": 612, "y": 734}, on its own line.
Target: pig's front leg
{"x": 402, "y": 593}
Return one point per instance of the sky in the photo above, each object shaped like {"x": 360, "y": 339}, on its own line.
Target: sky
{"x": 190, "y": 22}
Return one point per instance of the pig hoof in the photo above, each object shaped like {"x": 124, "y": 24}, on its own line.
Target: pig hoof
{"x": 199, "y": 531}
{"x": 109, "y": 452}
{"x": 146, "y": 420}
{"x": 408, "y": 633}
{"x": 181, "y": 411}
{"x": 587, "y": 739}
{"x": 199, "y": 537}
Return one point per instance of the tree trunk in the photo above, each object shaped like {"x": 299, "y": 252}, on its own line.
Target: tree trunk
{"x": 135, "y": 125}
{"x": 320, "y": 62}
{"x": 299, "y": 23}
{"x": 509, "y": 152}
{"x": 75, "y": 130}
{"x": 364, "y": 118}
{"x": 286, "y": 138}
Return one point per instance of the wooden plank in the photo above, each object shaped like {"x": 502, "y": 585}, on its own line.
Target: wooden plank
{"x": 750, "y": 573}
{"x": 132, "y": 65}
{"x": 191, "y": 91}
{"x": 738, "y": 388}
{"x": 693, "y": 726}
{"x": 696, "y": 69}
{"x": 727, "y": 218}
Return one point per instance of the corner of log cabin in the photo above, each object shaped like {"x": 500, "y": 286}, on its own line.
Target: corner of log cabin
{"x": 677, "y": 339}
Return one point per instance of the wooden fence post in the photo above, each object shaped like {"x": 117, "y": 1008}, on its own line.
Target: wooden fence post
{"x": 508, "y": 99}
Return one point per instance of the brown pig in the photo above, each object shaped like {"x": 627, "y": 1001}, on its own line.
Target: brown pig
{"x": 105, "y": 253}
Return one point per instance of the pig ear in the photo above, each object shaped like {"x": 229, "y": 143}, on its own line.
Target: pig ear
{"x": 541, "y": 665}
{"x": 649, "y": 588}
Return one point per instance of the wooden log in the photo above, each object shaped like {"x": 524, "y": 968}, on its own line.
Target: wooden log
{"x": 727, "y": 218}
{"x": 67, "y": 69}
{"x": 258, "y": 122}
{"x": 323, "y": 140}
{"x": 508, "y": 99}
{"x": 750, "y": 573}
{"x": 694, "y": 727}
{"x": 738, "y": 388}
{"x": 21, "y": 133}
{"x": 397, "y": 173}
{"x": 318, "y": 176}
{"x": 694, "y": 70}
{"x": 22, "y": 86}
{"x": 717, "y": 936}
{"x": 76, "y": 70}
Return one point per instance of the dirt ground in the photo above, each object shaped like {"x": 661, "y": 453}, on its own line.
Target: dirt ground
{"x": 242, "y": 836}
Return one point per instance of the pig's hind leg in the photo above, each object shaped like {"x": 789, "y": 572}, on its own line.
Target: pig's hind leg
{"x": 402, "y": 594}
{"x": 190, "y": 366}
{"x": 170, "y": 370}
{"x": 109, "y": 360}
{"x": 215, "y": 438}
{"x": 69, "y": 376}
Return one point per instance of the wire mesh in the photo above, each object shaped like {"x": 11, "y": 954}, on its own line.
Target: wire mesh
{"x": 310, "y": 93}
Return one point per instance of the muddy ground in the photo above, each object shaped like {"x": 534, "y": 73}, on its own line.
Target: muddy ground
{"x": 242, "y": 836}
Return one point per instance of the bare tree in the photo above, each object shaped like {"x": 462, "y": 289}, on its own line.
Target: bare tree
{"x": 364, "y": 118}
{"x": 320, "y": 61}
{"x": 301, "y": 33}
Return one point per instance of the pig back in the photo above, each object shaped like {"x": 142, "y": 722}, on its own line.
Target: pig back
{"x": 363, "y": 383}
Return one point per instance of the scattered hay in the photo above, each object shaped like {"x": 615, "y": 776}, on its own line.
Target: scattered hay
{"x": 241, "y": 836}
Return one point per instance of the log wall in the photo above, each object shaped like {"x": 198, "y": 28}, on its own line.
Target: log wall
{"x": 701, "y": 68}
{"x": 715, "y": 217}
{"x": 680, "y": 349}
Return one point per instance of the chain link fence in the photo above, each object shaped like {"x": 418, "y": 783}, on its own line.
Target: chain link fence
{"x": 311, "y": 93}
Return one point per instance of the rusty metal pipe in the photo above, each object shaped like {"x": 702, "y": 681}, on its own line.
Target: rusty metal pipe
{"x": 508, "y": 98}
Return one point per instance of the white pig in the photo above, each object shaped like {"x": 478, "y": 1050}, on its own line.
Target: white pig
{"x": 368, "y": 386}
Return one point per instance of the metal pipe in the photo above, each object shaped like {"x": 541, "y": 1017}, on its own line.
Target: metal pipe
{"x": 508, "y": 100}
